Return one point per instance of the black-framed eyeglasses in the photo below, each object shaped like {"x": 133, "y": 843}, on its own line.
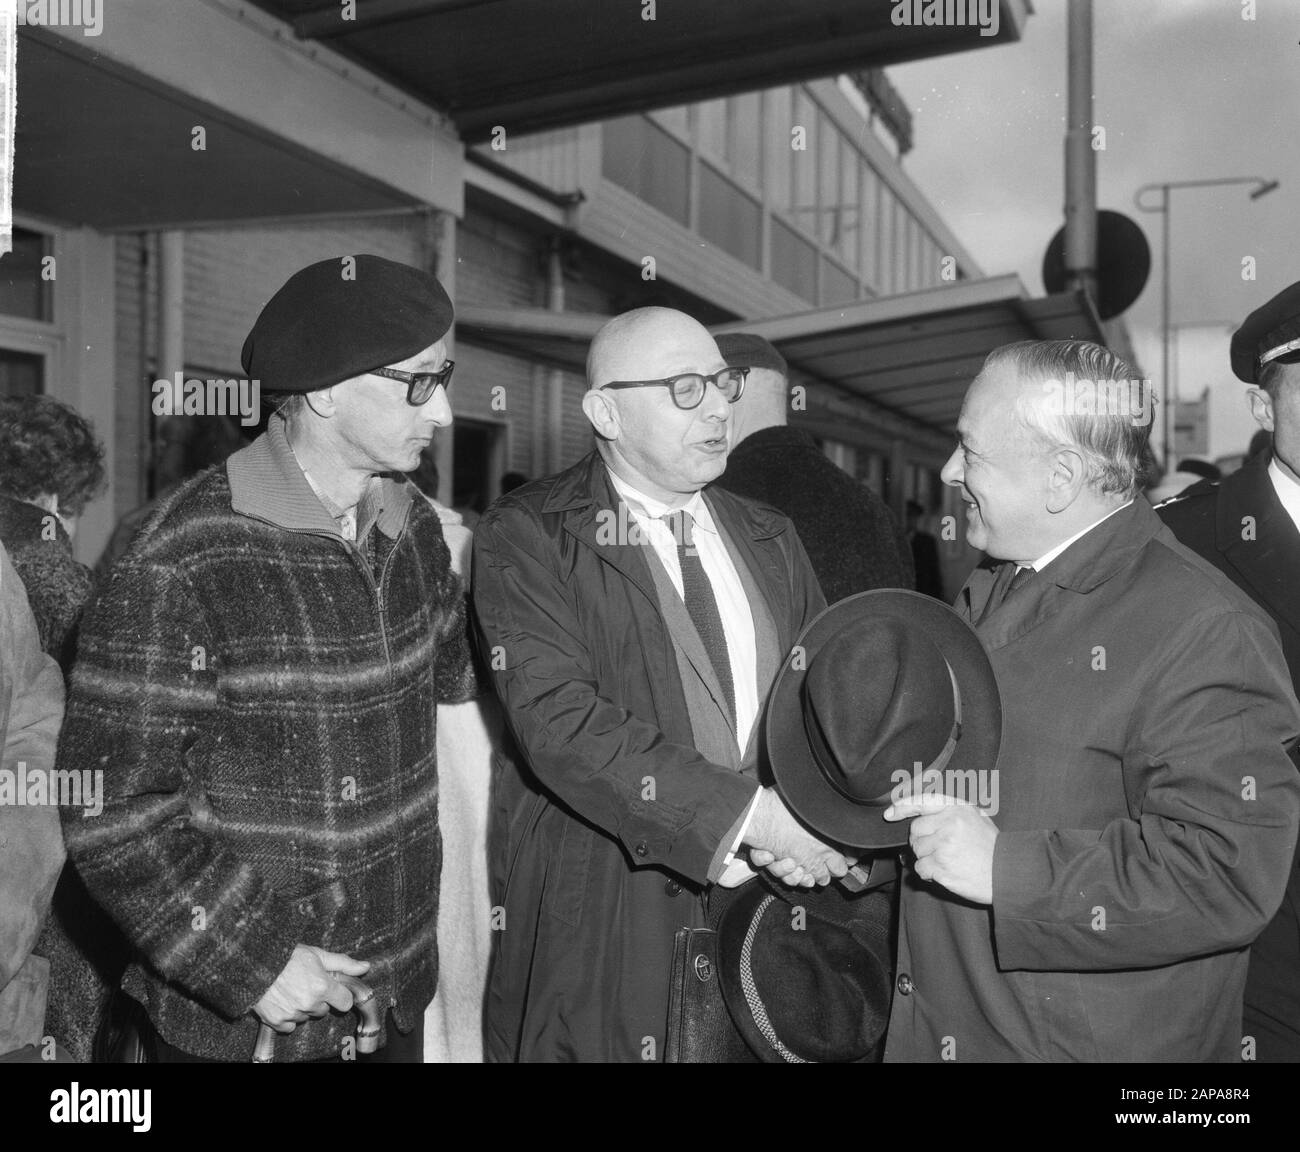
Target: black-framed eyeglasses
{"x": 419, "y": 385}
{"x": 687, "y": 390}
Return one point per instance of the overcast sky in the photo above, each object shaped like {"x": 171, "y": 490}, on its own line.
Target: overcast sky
{"x": 1186, "y": 90}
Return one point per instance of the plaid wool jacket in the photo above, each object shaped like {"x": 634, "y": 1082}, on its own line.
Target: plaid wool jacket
{"x": 260, "y": 696}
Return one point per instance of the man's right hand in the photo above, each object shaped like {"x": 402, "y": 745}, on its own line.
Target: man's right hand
{"x": 307, "y": 988}
{"x": 787, "y": 850}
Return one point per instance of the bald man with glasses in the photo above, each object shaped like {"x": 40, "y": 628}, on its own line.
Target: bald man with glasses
{"x": 634, "y": 619}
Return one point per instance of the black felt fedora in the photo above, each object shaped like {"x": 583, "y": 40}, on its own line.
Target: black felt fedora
{"x": 806, "y": 974}
{"x": 884, "y": 694}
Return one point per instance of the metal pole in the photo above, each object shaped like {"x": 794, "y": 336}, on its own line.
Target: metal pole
{"x": 1166, "y": 331}
{"x": 171, "y": 432}
{"x": 1169, "y": 386}
{"x": 554, "y": 377}
{"x": 444, "y": 267}
{"x": 1080, "y": 158}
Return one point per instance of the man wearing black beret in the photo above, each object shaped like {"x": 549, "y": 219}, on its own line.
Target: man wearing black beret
{"x": 1248, "y": 526}
{"x": 258, "y": 681}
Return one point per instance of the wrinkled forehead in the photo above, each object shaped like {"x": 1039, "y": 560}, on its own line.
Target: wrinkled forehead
{"x": 654, "y": 351}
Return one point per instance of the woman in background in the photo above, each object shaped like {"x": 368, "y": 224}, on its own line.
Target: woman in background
{"x": 51, "y": 467}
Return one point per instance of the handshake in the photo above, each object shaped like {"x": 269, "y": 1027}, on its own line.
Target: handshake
{"x": 779, "y": 843}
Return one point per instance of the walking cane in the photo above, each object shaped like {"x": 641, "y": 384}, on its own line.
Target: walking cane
{"x": 368, "y": 1030}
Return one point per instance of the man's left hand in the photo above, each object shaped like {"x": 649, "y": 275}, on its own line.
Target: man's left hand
{"x": 953, "y": 843}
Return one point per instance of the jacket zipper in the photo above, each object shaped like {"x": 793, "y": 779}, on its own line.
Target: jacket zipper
{"x": 359, "y": 560}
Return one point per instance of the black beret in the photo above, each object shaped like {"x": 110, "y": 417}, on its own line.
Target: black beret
{"x": 341, "y": 318}
{"x": 745, "y": 350}
{"x": 1271, "y": 332}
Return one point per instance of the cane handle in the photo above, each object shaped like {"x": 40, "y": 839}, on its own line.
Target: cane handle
{"x": 368, "y": 1029}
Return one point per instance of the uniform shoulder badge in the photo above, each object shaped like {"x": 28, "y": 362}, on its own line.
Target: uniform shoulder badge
{"x": 1200, "y": 488}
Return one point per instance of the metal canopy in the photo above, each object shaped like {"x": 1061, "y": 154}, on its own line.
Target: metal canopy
{"x": 559, "y": 339}
{"x": 101, "y": 145}
{"x": 913, "y": 354}
{"x": 530, "y": 65}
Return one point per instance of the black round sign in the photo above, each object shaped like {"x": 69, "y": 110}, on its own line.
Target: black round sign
{"x": 1123, "y": 263}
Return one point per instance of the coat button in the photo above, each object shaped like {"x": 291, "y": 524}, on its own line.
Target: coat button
{"x": 672, "y": 888}
{"x": 905, "y": 985}
{"x": 641, "y": 849}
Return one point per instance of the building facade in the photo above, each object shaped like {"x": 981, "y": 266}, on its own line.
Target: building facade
{"x": 235, "y": 153}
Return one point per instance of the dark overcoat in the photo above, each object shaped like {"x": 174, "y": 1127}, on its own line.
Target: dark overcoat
{"x": 1147, "y": 813}
{"x": 1240, "y": 526}
{"x": 852, "y": 538}
{"x": 604, "y": 851}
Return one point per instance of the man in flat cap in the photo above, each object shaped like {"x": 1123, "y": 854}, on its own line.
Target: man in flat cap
{"x": 1147, "y": 806}
{"x": 853, "y": 540}
{"x": 1248, "y": 526}
{"x": 635, "y": 620}
{"x": 258, "y": 681}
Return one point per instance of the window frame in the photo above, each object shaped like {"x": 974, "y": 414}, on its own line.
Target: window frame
{"x": 44, "y": 338}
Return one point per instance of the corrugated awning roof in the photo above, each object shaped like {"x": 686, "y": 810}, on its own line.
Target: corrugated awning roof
{"x": 913, "y": 354}
{"x": 916, "y": 353}
{"x": 530, "y": 65}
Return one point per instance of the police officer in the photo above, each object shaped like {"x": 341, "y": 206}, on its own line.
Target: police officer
{"x": 1248, "y": 526}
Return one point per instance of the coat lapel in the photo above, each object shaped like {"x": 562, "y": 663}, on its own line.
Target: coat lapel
{"x": 603, "y": 524}
{"x": 1259, "y": 539}
{"x": 979, "y": 586}
{"x": 601, "y": 521}
{"x": 1085, "y": 565}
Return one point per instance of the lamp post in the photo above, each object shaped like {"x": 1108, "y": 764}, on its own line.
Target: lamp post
{"x": 1261, "y": 188}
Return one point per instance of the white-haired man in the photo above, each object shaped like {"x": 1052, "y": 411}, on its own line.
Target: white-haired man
{"x": 1147, "y": 803}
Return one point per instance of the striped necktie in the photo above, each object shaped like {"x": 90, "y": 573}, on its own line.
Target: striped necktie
{"x": 701, "y": 604}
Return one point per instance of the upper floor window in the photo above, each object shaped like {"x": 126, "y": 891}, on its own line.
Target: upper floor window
{"x": 646, "y": 160}
{"x": 729, "y": 218}
{"x": 837, "y": 229}
{"x": 21, "y": 373}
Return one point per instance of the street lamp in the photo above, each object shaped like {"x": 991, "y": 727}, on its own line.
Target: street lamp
{"x": 1262, "y": 188}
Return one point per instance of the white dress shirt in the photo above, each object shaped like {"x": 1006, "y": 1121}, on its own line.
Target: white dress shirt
{"x": 1288, "y": 491}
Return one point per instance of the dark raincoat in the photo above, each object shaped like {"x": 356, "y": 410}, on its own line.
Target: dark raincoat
{"x": 594, "y": 876}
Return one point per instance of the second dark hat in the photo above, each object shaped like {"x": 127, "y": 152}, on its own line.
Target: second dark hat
{"x": 745, "y": 350}
{"x": 805, "y": 974}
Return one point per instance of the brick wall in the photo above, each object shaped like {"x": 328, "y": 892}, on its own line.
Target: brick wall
{"x": 230, "y": 274}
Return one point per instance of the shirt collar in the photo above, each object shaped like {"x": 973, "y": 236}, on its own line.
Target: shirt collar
{"x": 267, "y": 482}
{"x": 1288, "y": 491}
{"x": 1044, "y": 560}
{"x": 353, "y": 523}
{"x": 647, "y": 507}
